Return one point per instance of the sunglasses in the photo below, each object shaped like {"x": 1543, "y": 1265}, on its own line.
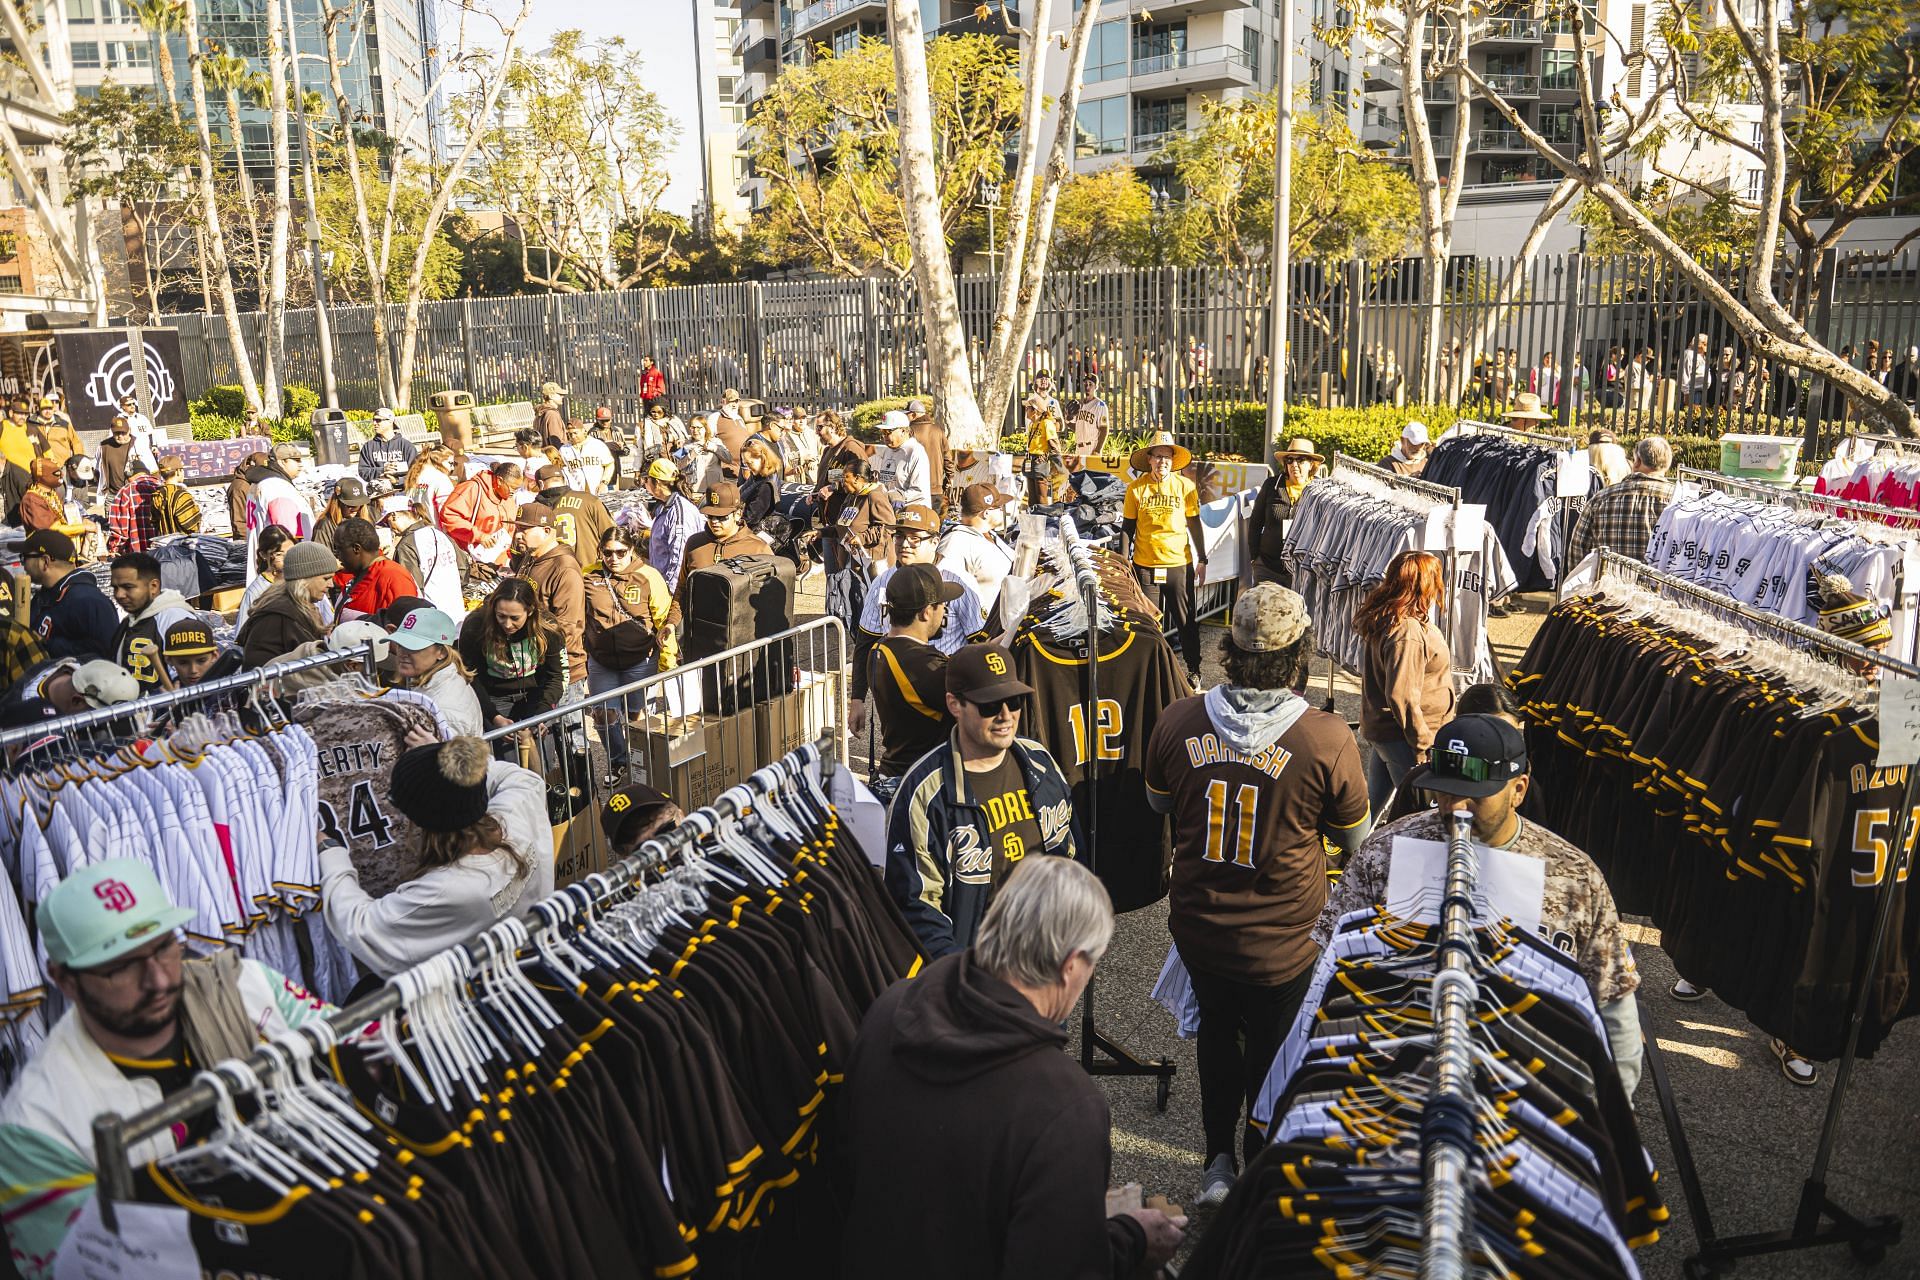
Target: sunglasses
{"x": 990, "y": 710}
{"x": 1458, "y": 764}
{"x": 615, "y": 549}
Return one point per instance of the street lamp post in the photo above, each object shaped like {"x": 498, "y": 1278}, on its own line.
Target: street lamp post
{"x": 1281, "y": 256}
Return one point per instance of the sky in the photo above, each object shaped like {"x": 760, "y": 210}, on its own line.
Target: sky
{"x": 661, "y": 31}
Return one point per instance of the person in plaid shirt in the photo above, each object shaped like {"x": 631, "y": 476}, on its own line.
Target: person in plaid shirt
{"x": 1622, "y": 516}
{"x": 20, "y": 652}
{"x": 131, "y": 525}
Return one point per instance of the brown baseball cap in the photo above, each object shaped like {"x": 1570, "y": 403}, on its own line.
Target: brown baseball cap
{"x": 550, "y": 472}
{"x": 916, "y": 519}
{"x": 535, "y": 515}
{"x": 722, "y": 500}
{"x": 979, "y": 498}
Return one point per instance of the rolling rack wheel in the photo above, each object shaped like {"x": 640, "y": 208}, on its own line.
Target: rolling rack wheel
{"x": 1165, "y": 1091}
{"x": 1698, "y": 1268}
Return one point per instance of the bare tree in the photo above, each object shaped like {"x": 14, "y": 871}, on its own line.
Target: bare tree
{"x": 280, "y": 217}
{"x": 1767, "y": 328}
{"x": 216, "y": 242}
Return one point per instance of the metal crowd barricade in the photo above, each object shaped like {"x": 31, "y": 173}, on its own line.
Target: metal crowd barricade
{"x": 690, "y": 733}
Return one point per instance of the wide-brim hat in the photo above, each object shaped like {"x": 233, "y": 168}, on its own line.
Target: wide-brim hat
{"x": 1527, "y": 405}
{"x": 1300, "y": 447}
{"x": 1161, "y": 440}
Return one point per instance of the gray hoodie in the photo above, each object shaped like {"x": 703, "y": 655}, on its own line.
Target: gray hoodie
{"x": 1251, "y": 720}
{"x": 136, "y": 644}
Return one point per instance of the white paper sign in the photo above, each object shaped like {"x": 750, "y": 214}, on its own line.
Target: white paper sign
{"x": 1575, "y": 476}
{"x": 1760, "y": 455}
{"x": 1899, "y": 721}
{"x": 153, "y": 1244}
{"x": 1508, "y": 884}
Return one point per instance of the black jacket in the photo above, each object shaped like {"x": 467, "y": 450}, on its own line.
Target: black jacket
{"x": 977, "y": 1149}
{"x": 276, "y": 626}
{"x": 376, "y": 455}
{"x": 515, "y": 697}
{"x": 74, "y": 619}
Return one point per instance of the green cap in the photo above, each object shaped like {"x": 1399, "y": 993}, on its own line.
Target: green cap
{"x": 104, "y": 910}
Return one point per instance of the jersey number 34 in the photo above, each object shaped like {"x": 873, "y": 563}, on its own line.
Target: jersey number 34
{"x": 365, "y": 822}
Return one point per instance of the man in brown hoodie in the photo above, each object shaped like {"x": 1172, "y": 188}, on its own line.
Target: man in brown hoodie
{"x": 542, "y": 559}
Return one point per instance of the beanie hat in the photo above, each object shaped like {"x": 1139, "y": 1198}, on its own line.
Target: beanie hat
{"x": 443, "y": 785}
{"x": 308, "y": 560}
{"x": 1847, "y": 614}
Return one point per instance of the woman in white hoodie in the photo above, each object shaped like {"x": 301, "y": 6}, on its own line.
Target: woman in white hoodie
{"x": 485, "y": 852}
{"x": 424, "y": 658}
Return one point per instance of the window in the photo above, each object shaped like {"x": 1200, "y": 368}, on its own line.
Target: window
{"x": 86, "y": 53}
{"x": 1250, "y": 45}
{"x": 1162, "y": 44}
{"x": 846, "y": 40}
{"x": 1515, "y": 170}
{"x": 128, "y": 53}
{"x": 1100, "y": 128}
{"x": 1316, "y": 82}
{"x": 1559, "y": 124}
{"x": 1107, "y": 53}
{"x": 1557, "y": 67}
{"x": 1756, "y": 184}
{"x": 10, "y": 284}
{"x": 80, "y": 10}
{"x": 1340, "y": 90}
{"x": 1151, "y": 119}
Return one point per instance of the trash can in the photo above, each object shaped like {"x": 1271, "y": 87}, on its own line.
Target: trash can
{"x": 454, "y": 409}
{"x": 333, "y": 438}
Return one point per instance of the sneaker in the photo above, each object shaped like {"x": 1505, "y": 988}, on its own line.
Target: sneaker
{"x": 1684, "y": 990}
{"x": 1193, "y": 679}
{"x": 1797, "y": 1069}
{"x": 1216, "y": 1182}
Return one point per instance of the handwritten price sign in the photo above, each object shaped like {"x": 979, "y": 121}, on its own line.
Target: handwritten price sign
{"x": 1899, "y": 721}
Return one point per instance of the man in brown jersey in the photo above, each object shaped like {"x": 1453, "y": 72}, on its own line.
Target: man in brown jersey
{"x": 1254, "y": 778}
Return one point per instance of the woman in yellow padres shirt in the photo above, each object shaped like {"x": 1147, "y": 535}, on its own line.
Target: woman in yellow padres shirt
{"x": 1161, "y": 519}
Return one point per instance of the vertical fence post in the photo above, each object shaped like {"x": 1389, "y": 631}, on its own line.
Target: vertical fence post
{"x": 756, "y": 340}
{"x": 1170, "y": 337}
{"x": 1572, "y": 296}
{"x": 1353, "y": 359}
{"x": 870, "y": 306}
{"x": 1819, "y": 391}
{"x": 466, "y": 345}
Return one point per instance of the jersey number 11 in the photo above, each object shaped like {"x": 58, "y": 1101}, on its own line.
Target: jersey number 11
{"x": 1246, "y": 803}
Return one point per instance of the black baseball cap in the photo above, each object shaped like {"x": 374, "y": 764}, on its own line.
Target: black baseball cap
{"x": 982, "y": 672}
{"x": 396, "y": 613}
{"x": 51, "y": 543}
{"x": 915, "y": 586}
{"x": 632, "y": 810}
{"x": 1472, "y": 756}
{"x": 534, "y": 515}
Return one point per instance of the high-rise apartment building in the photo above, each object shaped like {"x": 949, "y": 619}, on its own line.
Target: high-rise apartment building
{"x": 723, "y": 37}
{"x": 1151, "y": 66}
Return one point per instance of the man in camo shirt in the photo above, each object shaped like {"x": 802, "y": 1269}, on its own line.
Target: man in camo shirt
{"x": 1479, "y": 763}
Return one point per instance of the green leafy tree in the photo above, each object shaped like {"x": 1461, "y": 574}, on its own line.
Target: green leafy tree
{"x": 579, "y": 161}
{"x": 1714, "y": 227}
{"x": 125, "y": 147}
{"x": 347, "y": 274}
{"x": 1104, "y": 219}
{"x": 1849, "y": 124}
{"x": 826, "y": 140}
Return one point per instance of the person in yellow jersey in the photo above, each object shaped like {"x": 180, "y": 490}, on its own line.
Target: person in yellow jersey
{"x": 1161, "y": 520}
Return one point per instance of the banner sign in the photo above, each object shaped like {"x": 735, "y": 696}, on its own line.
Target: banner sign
{"x": 96, "y": 367}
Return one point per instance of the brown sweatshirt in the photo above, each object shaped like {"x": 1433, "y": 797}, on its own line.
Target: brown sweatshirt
{"x": 1406, "y": 685}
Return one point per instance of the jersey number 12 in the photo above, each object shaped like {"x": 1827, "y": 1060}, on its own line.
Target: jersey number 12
{"x": 1246, "y": 803}
{"x": 1106, "y": 730}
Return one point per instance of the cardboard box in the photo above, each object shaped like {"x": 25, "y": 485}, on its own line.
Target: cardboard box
{"x": 580, "y": 848}
{"x": 785, "y": 722}
{"x": 693, "y": 758}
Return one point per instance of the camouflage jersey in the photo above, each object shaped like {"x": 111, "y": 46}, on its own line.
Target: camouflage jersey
{"x": 1577, "y": 915}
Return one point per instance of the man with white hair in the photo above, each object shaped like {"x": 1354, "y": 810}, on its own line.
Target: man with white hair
{"x": 902, "y": 463}
{"x": 977, "y": 1148}
{"x": 1622, "y": 516}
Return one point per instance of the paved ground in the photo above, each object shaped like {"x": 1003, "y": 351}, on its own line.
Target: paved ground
{"x": 1753, "y": 1134}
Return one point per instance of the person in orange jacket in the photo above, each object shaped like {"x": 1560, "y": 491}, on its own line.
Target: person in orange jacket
{"x": 478, "y": 514}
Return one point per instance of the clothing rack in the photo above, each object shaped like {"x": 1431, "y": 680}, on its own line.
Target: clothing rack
{"x": 1787, "y": 496}
{"x": 1474, "y": 427}
{"x": 114, "y": 1134}
{"x": 1817, "y": 1220}
{"x": 1413, "y": 484}
{"x": 1117, "y": 1060}
{"x": 1447, "y": 1141}
{"x": 1900, "y": 444}
{"x": 84, "y": 720}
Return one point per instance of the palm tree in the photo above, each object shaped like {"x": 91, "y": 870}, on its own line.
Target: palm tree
{"x": 230, "y": 73}
{"x": 216, "y": 242}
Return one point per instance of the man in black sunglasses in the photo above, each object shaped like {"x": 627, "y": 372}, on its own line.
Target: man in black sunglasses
{"x": 1479, "y": 763}
{"x": 968, "y": 811}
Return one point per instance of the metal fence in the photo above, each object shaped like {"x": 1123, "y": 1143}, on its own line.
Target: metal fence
{"x": 1188, "y": 345}
{"x": 689, "y": 733}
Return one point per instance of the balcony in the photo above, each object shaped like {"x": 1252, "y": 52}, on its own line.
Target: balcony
{"x": 760, "y": 54}
{"x": 1380, "y": 133}
{"x": 1167, "y": 10}
{"x": 821, "y": 12}
{"x": 1500, "y": 141}
{"x": 1147, "y": 143}
{"x": 1509, "y": 85}
{"x": 1191, "y": 70}
{"x": 743, "y": 34}
{"x": 1510, "y": 31}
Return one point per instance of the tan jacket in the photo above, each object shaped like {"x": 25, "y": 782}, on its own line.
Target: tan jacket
{"x": 1406, "y": 685}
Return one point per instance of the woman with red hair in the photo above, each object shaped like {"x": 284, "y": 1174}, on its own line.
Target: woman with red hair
{"x": 1406, "y": 681}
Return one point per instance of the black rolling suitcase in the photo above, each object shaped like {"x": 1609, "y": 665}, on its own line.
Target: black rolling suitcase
{"x": 732, "y": 603}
